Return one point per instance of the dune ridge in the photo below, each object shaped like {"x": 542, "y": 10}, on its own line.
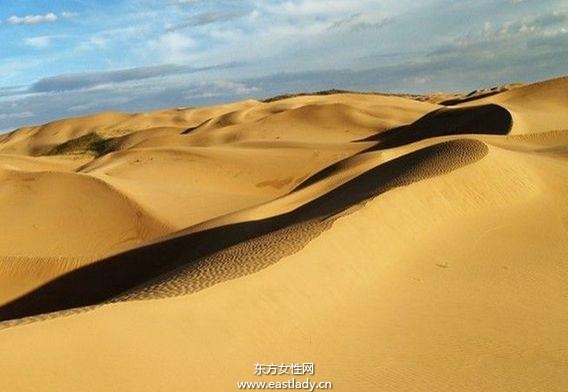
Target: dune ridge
{"x": 162, "y": 180}
{"x": 101, "y": 281}
{"x": 398, "y": 243}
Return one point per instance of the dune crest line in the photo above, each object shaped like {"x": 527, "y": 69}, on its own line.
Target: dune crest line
{"x": 201, "y": 252}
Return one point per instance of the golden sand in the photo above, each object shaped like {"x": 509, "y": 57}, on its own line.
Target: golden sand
{"x": 398, "y": 245}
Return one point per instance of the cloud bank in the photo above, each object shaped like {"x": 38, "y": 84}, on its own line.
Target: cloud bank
{"x": 136, "y": 55}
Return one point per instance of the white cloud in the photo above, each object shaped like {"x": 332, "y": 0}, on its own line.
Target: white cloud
{"x": 94, "y": 43}
{"x": 544, "y": 23}
{"x": 186, "y": 2}
{"x": 359, "y": 21}
{"x": 67, "y": 14}
{"x": 38, "y": 42}
{"x": 32, "y": 19}
{"x": 172, "y": 47}
{"x": 221, "y": 88}
{"x": 451, "y": 45}
{"x": 299, "y": 8}
{"x": 50, "y": 17}
{"x": 20, "y": 115}
{"x": 417, "y": 80}
{"x": 114, "y": 37}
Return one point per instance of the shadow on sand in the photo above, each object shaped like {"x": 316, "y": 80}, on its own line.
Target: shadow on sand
{"x": 110, "y": 277}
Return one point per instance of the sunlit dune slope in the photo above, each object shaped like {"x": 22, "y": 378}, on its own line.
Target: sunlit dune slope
{"x": 399, "y": 245}
{"x": 536, "y": 108}
{"x": 87, "y": 187}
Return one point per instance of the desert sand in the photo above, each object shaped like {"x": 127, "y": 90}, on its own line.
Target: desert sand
{"x": 398, "y": 244}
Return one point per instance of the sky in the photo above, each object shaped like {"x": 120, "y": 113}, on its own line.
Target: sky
{"x": 68, "y": 58}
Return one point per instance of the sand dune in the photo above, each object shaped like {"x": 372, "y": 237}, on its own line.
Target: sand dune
{"x": 166, "y": 179}
{"x": 73, "y": 221}
{"x": 60, "y": 215}
{"x": 535, "y": 108}
{"x": 398, "y": 244}
{"x": 481, "y": 119}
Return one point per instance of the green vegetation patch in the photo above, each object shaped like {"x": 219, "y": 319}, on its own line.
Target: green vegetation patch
{"x": 91, "y": 143}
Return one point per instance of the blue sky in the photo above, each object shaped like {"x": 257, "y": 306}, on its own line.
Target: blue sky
{"x": 68, "y": 58}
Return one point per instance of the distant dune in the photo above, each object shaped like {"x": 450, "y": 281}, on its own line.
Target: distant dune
{"x": 400, "y": 243}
